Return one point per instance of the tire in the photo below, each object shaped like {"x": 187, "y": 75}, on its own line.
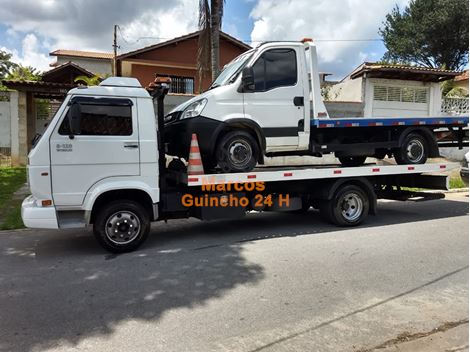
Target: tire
{"x": 237, "y": 151}
{"x": 413, "y": 150}
{"x": 348, "y": 207}
{"x": 351, "y": 161}
{"x": 119, "y": 219}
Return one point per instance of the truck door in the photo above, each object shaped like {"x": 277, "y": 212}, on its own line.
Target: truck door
{"x": 277, "y": 101}
{"x": 107, "y": 146}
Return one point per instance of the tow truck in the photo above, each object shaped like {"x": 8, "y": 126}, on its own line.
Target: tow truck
{"x": 101, "y": 162}
{"x": 267, "y": 102}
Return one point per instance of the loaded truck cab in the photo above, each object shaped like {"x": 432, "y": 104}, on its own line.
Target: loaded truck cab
{"x": 258, "y": 105}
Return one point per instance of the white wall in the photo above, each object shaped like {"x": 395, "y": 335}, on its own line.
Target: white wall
{"x": 101, "y": 67}
{"x": 400, "y": 108}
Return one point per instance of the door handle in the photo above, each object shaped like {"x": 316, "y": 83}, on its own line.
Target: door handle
{"x": 299, "y": 101}
{"x": 131, "y": 145}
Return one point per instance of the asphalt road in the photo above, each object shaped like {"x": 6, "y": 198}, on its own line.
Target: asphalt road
{"x": 269, "y": 282}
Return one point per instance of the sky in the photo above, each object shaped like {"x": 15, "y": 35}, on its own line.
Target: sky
{"x": 342, "y": 29}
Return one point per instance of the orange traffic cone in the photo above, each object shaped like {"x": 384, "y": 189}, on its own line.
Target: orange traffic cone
{"x": 195, "y": 161}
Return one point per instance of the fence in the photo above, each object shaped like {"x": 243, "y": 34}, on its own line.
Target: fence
{"x": 454, "y": 105}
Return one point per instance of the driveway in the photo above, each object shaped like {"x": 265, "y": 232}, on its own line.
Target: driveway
{"x": 269, "y": 282}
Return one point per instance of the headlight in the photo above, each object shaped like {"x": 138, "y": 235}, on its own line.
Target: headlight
{"x": 194, "y": 109}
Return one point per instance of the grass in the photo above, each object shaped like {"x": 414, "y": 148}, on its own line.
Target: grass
{"x": 11, "y": 179}
{"x": 456, "y": 182}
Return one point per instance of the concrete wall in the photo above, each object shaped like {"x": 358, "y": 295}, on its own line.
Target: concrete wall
{"x": 348, "y": 90}
{"x": 344, "y": 109}
{"x": 99, "y": 67}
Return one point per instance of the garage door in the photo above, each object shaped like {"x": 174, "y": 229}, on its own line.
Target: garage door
{"x": 396, "y": 101}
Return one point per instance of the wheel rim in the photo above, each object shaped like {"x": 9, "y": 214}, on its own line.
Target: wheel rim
{"x": 415, "y": 150}
{"x": 351, "y": 206}
{"x": 122, "y": 227}
{"x": 240, "y": 152}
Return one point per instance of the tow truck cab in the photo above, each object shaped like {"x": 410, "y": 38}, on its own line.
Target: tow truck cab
{"x": 113, "y": 147}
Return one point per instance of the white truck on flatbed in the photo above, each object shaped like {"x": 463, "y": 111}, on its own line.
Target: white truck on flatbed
{"x": 101, "y": 162}
{"x": 267, "y": 102}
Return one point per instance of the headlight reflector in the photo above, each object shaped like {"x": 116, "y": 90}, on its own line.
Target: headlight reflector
{"x": 194, "y": 109}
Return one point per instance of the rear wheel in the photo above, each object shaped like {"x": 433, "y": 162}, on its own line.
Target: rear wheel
{"x": 413, "y": 150}
{"x": 351, "y": 161}
{"x": 348, "y": 207}
{"x": 122, "y": 226}
{"x": 237, "y": 151}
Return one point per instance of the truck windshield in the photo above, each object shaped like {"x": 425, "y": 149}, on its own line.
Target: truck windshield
{"x": 232, "y": 69}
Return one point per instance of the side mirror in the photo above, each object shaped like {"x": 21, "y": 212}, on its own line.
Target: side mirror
{"x": 74, "y": 118}
{"x": 248, "y": 79}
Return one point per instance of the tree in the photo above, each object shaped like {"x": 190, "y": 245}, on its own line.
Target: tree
{"x": 210, "y": 22}
{"x": 24, "y": 73}
{"x": 431, "y": 33}
{"x": 88, "y": 81}
{"x": 5, "y": 63}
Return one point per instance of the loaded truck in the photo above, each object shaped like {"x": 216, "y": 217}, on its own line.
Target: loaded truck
{"x": 101, "y": 163}
{"x": 267, "y": 102}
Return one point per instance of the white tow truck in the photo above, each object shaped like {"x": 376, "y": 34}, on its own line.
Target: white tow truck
{"x": 101, "y": 162}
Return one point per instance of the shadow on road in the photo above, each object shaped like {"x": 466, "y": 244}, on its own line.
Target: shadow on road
{"x": 58, "y": 287}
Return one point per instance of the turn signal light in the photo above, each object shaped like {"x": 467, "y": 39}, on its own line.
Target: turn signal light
{"x": 306, "y": 40}
{"x": 46, "y": 202}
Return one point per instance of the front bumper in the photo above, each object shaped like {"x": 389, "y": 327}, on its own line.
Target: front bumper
{"x": 38, "y": 217}
{"x": 178, "y": 136}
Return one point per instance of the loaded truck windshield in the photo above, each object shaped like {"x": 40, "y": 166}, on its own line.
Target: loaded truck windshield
{"x": 232, "y": 69}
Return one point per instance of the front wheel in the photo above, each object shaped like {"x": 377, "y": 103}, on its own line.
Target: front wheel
{"x": 121, "y": 226}
{"x": 237, "y": 151}
{"x": 413, "y": 150}
{"x": 348, "y": 207}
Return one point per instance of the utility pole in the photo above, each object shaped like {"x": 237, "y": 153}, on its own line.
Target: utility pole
{"x": 115, "y": 47}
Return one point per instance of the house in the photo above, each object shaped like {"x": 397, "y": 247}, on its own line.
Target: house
{"x": 97, "y": 62}
{"x": 176, "y": 58}
{"x": 461, "y": 81}
{"x": 384, "y": 90}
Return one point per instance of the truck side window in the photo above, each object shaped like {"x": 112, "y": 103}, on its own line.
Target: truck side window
{"x": 102, "y": 120}
{"x": 275, "y": 68}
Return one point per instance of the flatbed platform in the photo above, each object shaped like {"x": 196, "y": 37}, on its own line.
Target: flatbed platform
{"x": 267, "y": 174}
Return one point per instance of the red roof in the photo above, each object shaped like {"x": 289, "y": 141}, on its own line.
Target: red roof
{"x": 84, "y": 54}
{"x": 192, "y": 35}
{"x": 462, "y": 77}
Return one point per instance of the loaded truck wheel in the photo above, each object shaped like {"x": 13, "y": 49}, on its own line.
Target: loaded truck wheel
{"x": 348, "y": 207}
{"x": 351, "y": 161}
{"x": 413, "y": 150}
{"x": 237, "y": 151}
{"x": 121, "y": 226}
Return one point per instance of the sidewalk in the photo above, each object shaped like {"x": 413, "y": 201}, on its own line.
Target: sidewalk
{"x": 447, "y": 338}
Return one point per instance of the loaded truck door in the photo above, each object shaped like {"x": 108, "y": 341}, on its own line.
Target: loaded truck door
{"x": 276, "y": 102}
{"x": 103, "y": 143}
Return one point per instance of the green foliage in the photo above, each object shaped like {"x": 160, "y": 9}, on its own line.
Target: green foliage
{"x": 88, "y": 81}
{"x": 431, "y": 33}
{"x": 11, "y": 179}
{"x": 5, "y": 64}
{"x": 24, "y": 73}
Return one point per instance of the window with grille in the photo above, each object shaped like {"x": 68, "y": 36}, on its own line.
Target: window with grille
{"x": 182, "y": 85}
{"x": 401, "y": 94}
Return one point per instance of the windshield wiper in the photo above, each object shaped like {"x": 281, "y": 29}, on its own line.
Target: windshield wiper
{"x": 214, "y": 86}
